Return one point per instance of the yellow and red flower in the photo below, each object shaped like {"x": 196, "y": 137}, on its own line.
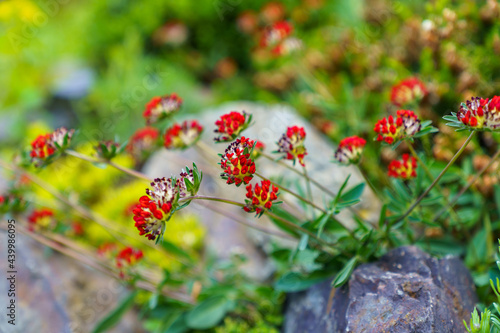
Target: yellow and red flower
{"x": 46, "y": 145}
{"x": 159, "y": 108}
{"x": 407, "y": 91}
{"x": 184, "y": 135}
{"x": 404, "y": 169}
{"x": 41, "y": 219}
{"x": 230, "y": 125}
{"x": 237, "y": 163}
{"x": 143, "y": 142}
{"x": 480, "y": 113}
{"x": 292, "y": 144}
{"x": 391, "y": 129}
{"x": 128, "y": 257}
{"x": 260, "y": 197}
{"x": 350, "y": 150}
{"x": 161, "y": 201}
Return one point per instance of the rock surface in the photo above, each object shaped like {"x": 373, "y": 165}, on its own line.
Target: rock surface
{"x": 406, "y": 291}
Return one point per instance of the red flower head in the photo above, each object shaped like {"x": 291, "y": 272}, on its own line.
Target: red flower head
{"x": 42, "y": 218}
{"x": 480, "y": 113}
{"x": 292, "y": 144}
{"x": 230, "y": 125}
{"x": 159, "y": 108}
{"x": 407, "y": 91}
{"x": 183, "y": 136}
{"x": 350, "y": 150}
{"x": 46, "y": 145}
{"x": 143, "y": 142}
{"x": 405, "y": 168}
{"x": 155, "y": 208}
{"x": 260, "y": 197}
{"x": 77, "y": 229}
{"x": 127, "y": 258}
{"x": 390, "y": 130}
{"x": 276, "y": 33}
{"x": 236, "y": 162}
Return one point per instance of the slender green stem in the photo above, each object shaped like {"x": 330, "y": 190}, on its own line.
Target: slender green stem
{"x": 429, "y": 174}
{"x": 318, "y": 185}
{"x": 308, "y": 186}
{"x": 466, "y": 187}
{"x": 235, "y": 203}
{"x": 131, "y": 172}
{"x": 307, "y": 202}
{"x": 450, "y": 163}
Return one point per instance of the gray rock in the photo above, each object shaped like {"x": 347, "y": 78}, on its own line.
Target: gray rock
{"x": 406, "y": 291}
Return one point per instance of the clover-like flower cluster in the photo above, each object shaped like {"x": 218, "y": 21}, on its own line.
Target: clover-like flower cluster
{"x": 237, "y": 163}
{"x": 480, "y": 113}
{"x": 41, "y": 219}
{"x": 159, "y": 108}
{"x": 162, "y": 200}
{"x": 276, "y": 33}
{"x": 404, "y": 169}
{"x": 349, "y": 150}
{"x": 292, "y": 144}
{"x": 127, "y": 258}
{"x": 182, "y": 136}
{"x": 405, "y": 125}
{"x": 260, "y": 197}
{"x": 408, "y": 91}
{"x": 46, "y": 146}
{"x": 143, "y": 142}
{"x": 230, "y": 125}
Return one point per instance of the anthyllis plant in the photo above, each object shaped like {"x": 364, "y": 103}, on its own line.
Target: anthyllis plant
{"x": 327, "y": 247}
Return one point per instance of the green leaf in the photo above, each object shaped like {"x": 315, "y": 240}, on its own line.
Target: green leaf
{"x": 178, "y": 325}
{"x": 115, "y": 315}
{"x": 381, "y": 219}
{"x": 174, "y": 249}
{"x": 293, "y": 281}
{"x": 353, "y": 194}
{"x": 345, "y": 273}
{"x": 339, "y": 194}
{"x": 208, "y": 313}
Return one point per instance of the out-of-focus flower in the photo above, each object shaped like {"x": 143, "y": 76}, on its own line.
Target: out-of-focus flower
{"x": 287, "y": 46}
{"x": 350, "y": 150}
{"x": 292, "y": 144}
{"x": 272, "y": 12}
{"x": 108, "y": 149}
{"x": 45, "y": 146}
{"x": 226, "y": 68}
{"x": 258, "y": 149}
{"x": 155, "y": 208}
{"x": 405, "y": 125}
{"x": 106, "y": 249}
{"x": 237, "y": 163}
{"x": 487, "y": 182}
{"x": 260, "y": 197}
{"x": 247, "y": 21}
{"x": 143, "y": 142}
{"x": 184, "y": 135}
{"x": 480, "y": 114}
{"x": 173, "y": 33}
{"x": 230, "y": 125}
{"x": 12, "y": 202}
{"x": 159, "y": 108}
{"x": 408, "y": 91}
{"x": 127, "y": 258}
{"x": 404, "y": 169}
{"x": 77, "y": 229}
{"x": 41, "y": 219}
{"x": 275, "y": 34}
